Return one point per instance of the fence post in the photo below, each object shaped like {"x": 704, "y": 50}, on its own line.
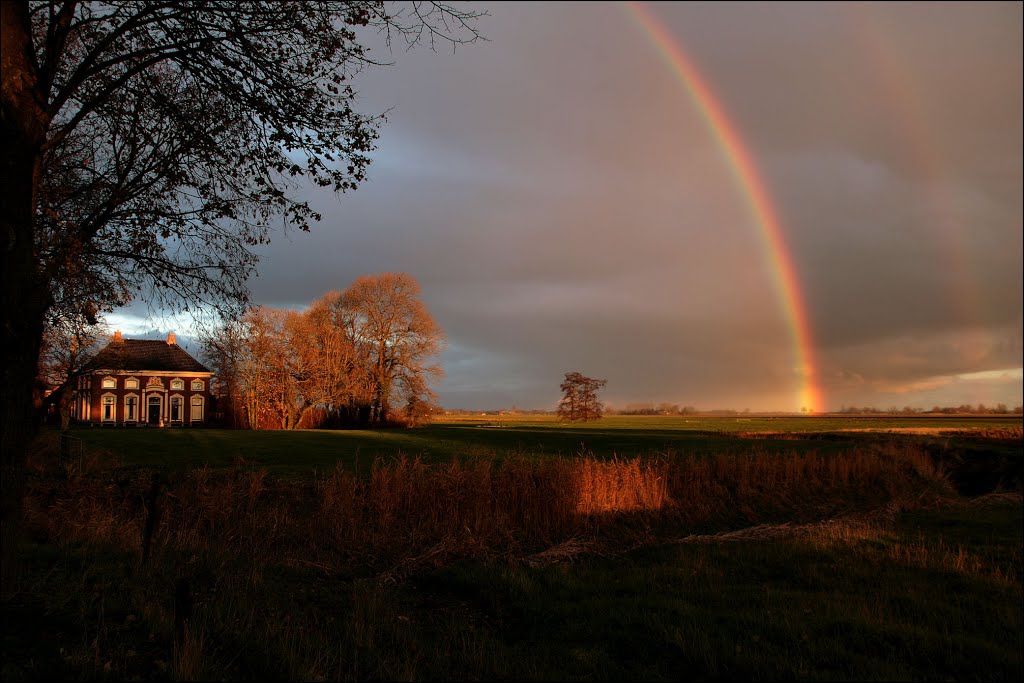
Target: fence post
{"x": 152, "y": 517}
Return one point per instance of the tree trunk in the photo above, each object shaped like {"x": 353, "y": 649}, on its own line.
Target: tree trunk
{"x": 23, "y": 306}
{"x": 67, "y": 400}
{"x": 25, "y": 297}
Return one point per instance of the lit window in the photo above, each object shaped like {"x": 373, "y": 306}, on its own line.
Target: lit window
{"x": 197, "y": 385}
{"x": 177, "y": 384}
{"x": 109, "y": 383}
{"x": 131, "y": 404}
{"x": 197, "y": 409}
{"x": 131, "y": 383}
{"x": 108, "y": 408}
{"x": 176, "y": 409}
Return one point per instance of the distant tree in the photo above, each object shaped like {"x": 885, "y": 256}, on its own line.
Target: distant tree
{"x": 261, "y": 366}
{"x": 419, "y": 409}
{"x": 222, "y": 349}
{"x": 638, "y": 409}
{"x": 579, "y": 398}
{"x": 398, "y": 336}
{"x": 346, "y": 360}
{"x": 331, "y": 375}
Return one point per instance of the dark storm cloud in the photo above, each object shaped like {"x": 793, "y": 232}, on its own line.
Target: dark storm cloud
{"x": 565, "y": 207}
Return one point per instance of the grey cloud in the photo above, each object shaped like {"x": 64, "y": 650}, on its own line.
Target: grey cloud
{"x": 566, "y": 207}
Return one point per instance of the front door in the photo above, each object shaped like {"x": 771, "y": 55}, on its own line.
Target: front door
{"x": 154, "y": 410}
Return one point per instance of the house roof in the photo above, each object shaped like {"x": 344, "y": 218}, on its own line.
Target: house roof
{"x": 145, "y": 354}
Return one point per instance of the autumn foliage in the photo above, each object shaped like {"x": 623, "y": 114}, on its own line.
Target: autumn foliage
{"x": 358, "y": 357}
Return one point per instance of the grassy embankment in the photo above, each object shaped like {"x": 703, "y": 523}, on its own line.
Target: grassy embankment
{"x": 860, "y": 562}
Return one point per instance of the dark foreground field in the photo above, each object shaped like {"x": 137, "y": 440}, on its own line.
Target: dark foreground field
{"x": 526, "y": 551}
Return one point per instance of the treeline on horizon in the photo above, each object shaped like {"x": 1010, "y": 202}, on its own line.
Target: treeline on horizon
{"x": 651, "y": 409}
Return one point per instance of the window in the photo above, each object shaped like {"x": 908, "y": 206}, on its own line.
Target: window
{"x": 109, "y": 383}
{"x": 197, "y": 409}
{"x": 197, "y": 385}
{"x": 131, "y": 383}
{"x": 108, "y": 407}
{"x": 176, "y": 408}
{"x": 177, "y": 384}
{"x": 131, "y": 406}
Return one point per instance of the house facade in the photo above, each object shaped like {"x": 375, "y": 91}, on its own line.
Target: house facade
{"x": 143, "y": 382}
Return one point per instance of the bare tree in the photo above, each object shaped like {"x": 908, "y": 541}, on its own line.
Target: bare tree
{"x": 248, "y": 357}
{"x": 262, "y": 369}
{"x": 398, "y": 335}
{"x": 330, "y": 370}
{"x": 579, "y": 398}
{"x": 67, "y": 346}
{"x": 149, "y": 145}
{"x": 349, "y": 357}
{"x": 222, "y": 350}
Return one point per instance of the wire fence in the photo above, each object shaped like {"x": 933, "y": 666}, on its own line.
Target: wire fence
{"x": 72, "y": 449}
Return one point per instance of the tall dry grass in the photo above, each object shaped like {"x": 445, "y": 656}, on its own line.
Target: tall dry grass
{"x": 407, "y": 512}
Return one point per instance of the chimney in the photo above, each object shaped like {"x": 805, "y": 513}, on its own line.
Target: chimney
{"x": 171, "y": 341}
{"x": 117, "y": 337}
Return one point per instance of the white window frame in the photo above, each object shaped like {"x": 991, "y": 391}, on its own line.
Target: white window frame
{"x": 177, "y": 384}
{"x": 170, "y": 408}
{"x": 112, "y": 383}
{"x": 127, "y": 416}
{"x": 200, "y": 402}
{"x": 131, "y": 383}
{"x": 113, "y": 407}
{"x": 198, "y": 385}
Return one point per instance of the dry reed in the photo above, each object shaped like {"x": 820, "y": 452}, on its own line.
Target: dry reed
{"x": 408, "y": 513}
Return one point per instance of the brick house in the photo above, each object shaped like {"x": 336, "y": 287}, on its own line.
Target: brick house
{"x": 139, "y": 382}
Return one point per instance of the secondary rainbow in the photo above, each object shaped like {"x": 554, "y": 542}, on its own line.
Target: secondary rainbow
{"x": 743, "y": 168}
{"x": 915, "y": 118}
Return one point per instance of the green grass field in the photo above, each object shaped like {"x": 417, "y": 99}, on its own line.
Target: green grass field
{"x": 812, "y": 553}
{"x": 626, "y": 436}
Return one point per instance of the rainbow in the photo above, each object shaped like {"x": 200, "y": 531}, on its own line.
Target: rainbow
{"x": 743, "y": 168}
{"x": 910, "y": 110}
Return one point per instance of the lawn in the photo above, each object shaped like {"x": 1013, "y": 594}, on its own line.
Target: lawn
{"x": 305, "y": 451}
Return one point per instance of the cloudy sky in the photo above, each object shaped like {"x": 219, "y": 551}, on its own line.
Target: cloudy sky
{"x": 566, "y": 206}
